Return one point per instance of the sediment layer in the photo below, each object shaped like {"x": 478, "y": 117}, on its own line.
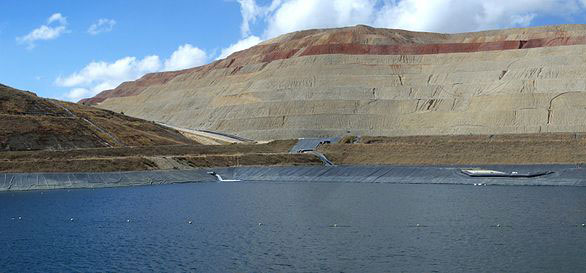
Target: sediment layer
{"x": 368, "y": 81}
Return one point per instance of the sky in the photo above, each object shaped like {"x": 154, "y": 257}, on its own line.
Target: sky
{"x": 69, "y": 49}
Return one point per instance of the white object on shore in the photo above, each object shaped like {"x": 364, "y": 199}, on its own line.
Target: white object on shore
{"x": 220, "y": 179}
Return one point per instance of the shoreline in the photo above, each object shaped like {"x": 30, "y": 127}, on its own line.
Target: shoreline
{"x": 563, "y": 175}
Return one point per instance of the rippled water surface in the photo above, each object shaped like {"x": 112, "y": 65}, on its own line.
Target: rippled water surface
{"x": 343, "y": 227}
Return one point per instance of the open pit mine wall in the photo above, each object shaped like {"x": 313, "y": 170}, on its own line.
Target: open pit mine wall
{"x": 376, "y": 82}
{"x": 563, "y": 175}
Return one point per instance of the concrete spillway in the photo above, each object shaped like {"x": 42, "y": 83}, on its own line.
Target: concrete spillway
{"x": 563, "y": 175}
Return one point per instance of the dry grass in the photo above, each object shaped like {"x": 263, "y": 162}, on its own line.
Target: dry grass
{"x": 281, "y": 146}
{"x": 28, "y": 122}
{"x": 154, "y": 157}
{"x": 562, "y": 148}
{"x": 142, "y": 163}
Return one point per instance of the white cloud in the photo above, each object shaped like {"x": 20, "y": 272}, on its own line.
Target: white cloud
{"x": 295, "y": 15}
{"x": 468, "y": 15}
{"x": 57, "y": 17}
{"x": 99, "y": 76}
{"x": 186, "y": 56}
{"x": 419, "y": 15}
{"x": 102, "y": 25}
{"x": 251, "y": 11}
{"x": 104, "y": 73}
{"x": 77, "y": 94}
{"x": 56, "y": 25}
{"x": 240, "y": 45}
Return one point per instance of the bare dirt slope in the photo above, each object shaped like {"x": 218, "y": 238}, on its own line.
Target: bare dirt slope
{"x": 43, "y": 135}
{"x": 154, "y": 158}
{"x": 553, "y": 148}
{"x": 28, "y": 122}
{"x": 372, "y": 81}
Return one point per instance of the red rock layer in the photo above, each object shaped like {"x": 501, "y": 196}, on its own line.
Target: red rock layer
{"x": 359, "y": 40}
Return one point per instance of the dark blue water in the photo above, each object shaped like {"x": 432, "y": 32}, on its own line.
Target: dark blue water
{"x": 540, "y": 228}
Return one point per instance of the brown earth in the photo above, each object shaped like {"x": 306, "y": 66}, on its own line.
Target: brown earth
{"x": 43, "y": 135}
{"x": 154, "y": 158}
{"x": 561, "y": 148}
{"x": 29, "y": 122}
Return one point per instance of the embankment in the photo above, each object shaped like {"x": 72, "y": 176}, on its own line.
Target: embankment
{"x": 563, "y": 175}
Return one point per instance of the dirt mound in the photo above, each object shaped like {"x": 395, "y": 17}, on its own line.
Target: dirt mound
{"x": 371, "y": 81}
{"x": 29, "y": 122}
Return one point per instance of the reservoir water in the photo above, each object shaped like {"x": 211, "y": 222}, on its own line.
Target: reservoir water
{"x": 295, "y": 227}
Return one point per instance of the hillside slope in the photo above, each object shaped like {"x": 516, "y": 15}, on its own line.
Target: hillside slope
{"x": 29, "y": 122}
{"x": 368, "y": 81}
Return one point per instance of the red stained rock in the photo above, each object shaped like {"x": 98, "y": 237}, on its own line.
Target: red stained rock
{"x": 279, "y": 55}
{"x": 359, "y": 40}
{"x": 354, "y": 49}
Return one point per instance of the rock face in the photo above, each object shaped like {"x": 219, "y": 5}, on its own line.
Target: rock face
{"x": 29, "y": 122}
{"x": 367, "y": 81}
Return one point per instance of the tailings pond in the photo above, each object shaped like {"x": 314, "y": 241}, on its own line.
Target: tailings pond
{"x": 295, "y": 227}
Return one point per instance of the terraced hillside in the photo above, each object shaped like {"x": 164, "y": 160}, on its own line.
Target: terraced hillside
{"x": 29, "y": 122}
{"x": 379, "y": 82}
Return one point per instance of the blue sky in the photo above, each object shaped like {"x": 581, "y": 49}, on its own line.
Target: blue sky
{"x": 51, "y": 48}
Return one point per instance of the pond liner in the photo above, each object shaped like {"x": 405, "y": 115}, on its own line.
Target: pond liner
{"x": 561, "y": 175}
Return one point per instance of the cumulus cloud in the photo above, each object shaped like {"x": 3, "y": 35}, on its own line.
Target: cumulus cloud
{"x": 57, "y": 17}
{"x": 78, "y": 93}
{"x": 243, "y": 44}
{"x": 99, "y": 76}
{"x": 251, "y": 11}
{"x": 186, "y": 56}
{"x": 55, "y": 26}
{"x": 468, "y": 15}
{"x": 293, "y": 15}
{"x": 283, "y": 16}
{"x": 102, "y": 25}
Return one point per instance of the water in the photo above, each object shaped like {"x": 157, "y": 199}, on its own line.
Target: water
{"x": 540, "y": 228}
